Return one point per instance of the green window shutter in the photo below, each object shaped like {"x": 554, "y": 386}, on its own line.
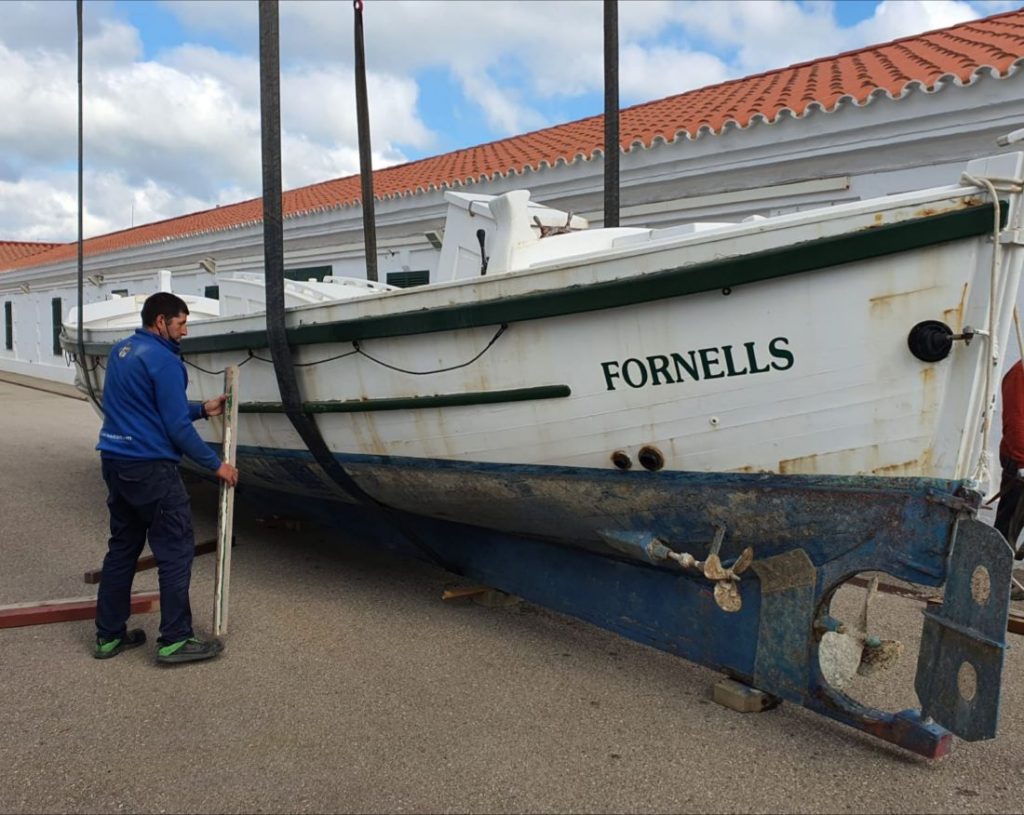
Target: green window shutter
{"x": 305, "y": 273}
{"x": 57, "y": 324}
{"x": 405, "y": 280}
{"x": 9, "y": 325}
{"x": 213, "y": 292}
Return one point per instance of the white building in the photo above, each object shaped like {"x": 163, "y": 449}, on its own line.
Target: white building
{"x": 888, "y": 118}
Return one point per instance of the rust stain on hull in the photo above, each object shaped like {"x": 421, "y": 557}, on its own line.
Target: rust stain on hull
{"x": 828, "y": 463}
{"x": 883, "y": 304}
{"x": 919, "y": 466}
{"x": 954, "y": 317}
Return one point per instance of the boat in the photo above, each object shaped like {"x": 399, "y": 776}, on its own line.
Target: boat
{"x": 691, "y": 436}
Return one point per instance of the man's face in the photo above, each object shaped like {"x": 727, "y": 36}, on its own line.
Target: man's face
{"x": 173, "y": 329}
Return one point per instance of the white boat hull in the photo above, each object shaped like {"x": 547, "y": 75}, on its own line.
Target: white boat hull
{"x": 803, "y": 371}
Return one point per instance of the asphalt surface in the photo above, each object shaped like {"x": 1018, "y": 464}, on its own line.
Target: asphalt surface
{"x": 348, "y": 686}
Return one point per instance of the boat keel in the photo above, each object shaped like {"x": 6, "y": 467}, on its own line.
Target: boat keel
{"x": 771, "y": 639}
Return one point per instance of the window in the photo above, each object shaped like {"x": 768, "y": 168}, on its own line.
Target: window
{"x": 57, "y": 323}
{"x": 8, "y": 325}
{"x": 213, "y": 292}
{"x": 120, "y": 292}
{"x": 406, "y": 280}
{"x": 305, "y": 273}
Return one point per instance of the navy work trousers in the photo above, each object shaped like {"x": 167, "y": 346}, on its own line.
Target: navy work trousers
{"x": 146, "y": 498}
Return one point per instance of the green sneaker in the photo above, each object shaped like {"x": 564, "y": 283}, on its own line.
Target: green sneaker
{"x": 105, "y": 649}
{"x": 190, "y": 650}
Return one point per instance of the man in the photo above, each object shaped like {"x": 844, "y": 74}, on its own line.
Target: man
{"x": 147, "y": 426}
{"x": 1010, "y": 512}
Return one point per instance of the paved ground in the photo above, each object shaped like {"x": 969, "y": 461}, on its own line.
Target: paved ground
{"x": 348, "y": 686}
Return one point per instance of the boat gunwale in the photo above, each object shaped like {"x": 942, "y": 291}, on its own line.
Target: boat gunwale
{"x": 862, "y": 243}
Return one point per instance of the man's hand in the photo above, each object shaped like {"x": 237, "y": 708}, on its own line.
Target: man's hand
{"x": 215, "y": 406}
{"x": 228, "y": 474}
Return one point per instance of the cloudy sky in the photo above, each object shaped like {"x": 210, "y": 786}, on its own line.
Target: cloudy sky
{"x": 172, "y": 87}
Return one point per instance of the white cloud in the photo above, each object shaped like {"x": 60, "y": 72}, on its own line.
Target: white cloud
{"x": 650, "y": 73}
{"x": 45, "y": 208}
{"x": 173, "y": 136}
{"x": 903, "y": 18}
{"x": 39, "y": 209}
{"x": 503, "y": 107}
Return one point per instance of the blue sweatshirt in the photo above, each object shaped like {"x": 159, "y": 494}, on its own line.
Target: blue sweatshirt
{"x": 146, "y": 414}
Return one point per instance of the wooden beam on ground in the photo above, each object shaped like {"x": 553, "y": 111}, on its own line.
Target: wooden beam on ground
{"x": 67, "y": 610}
{"x": 92, "y": 577}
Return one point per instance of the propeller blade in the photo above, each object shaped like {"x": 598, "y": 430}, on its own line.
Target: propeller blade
{"x": 743, "y": 561}
{"x": 881, "y": 657}
{"x": 727, "y": 596}
{"x": 839, "y": 657}
{"x": 713, "y": 568}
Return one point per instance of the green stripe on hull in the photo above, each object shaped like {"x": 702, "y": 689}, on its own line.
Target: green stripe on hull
{"x": 865, "y": 244}
{"x": 416, "y": 402}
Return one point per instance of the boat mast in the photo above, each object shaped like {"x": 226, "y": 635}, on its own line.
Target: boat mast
{"x": 365, "y": 157}
{"x": 611, "y": 113}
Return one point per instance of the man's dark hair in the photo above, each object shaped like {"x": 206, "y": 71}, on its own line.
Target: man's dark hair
{"x": 163, "y": 302}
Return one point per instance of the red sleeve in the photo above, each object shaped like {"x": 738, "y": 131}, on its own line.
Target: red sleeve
{"x": 1012, "y": 444}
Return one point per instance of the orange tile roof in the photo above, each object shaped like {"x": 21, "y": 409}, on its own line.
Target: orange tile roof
{"x": 15, "y": 250}
{"x": 959, "y": 53}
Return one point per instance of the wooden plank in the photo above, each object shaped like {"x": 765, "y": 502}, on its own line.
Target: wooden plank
{"x": 898, "y": 591}
{"x": 226, "y": 507}
{"x": 743, "y": 698}
{"x": 67, "y": 610}
{"x": 460, "y": 592}
{"x": 149, "y": 562}
{"x": 1015, "y": 622}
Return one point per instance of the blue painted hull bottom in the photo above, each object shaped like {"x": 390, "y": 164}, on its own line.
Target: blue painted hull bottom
{"x": 580, "y": 541}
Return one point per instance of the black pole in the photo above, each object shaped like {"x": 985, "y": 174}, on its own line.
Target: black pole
{"x": 365, "y": 157}
{"x": 273, "y": 227}
{"x": 81, "y": 253}
{"x": 611, "y": 113}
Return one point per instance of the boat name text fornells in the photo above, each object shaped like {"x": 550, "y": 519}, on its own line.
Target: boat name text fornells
{"x": 716, "y": 362}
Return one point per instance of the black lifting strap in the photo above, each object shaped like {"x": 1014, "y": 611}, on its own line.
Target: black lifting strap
{"x": 273, "y": 254}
